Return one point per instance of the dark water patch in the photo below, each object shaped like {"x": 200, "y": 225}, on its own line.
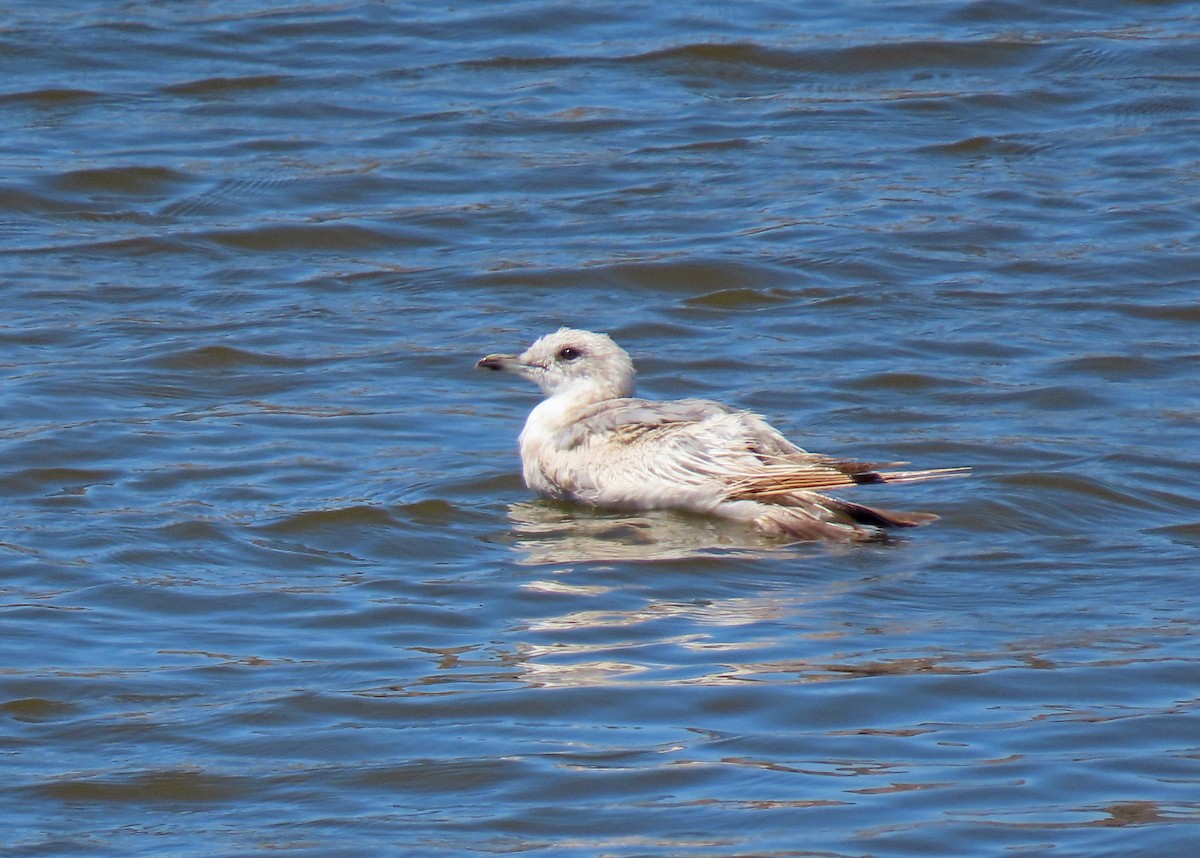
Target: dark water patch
{"x": 1184, "y": 313}
{"x": 136, "y": 181}
{"x": 904, "y": 382}
{"x": 1130, "y": 368}
{"x": 330, "y": 236}
{"x": 223, "y": 357}
{"x": 855, "y": 59}
{"x": 1184, "y": 534}
{"x": 52, "y": 98}
{"x": 698, "y": 277}
{"x": 434, "y": 512}
{"x": 139, "y": 247}
{"x": 170, "y": 787}
{"x": 691, "y": 277}
{"x": 751, "y": 62}
{"x": 507, "y": 62}
{"x": 37, "y": 710}
{"x": 222, "y": 87}
{"x": 990, "y": 146}
{"x": 661, "y": 330}
{"x": 1039, "y": 397}
{"x": 23, "y": 199}
{"x": 740, "y": 299}
{"x": 43, "y": 481}
{"x": 316, "y": 521}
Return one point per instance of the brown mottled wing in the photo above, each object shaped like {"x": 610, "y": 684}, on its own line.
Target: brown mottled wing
{"x": 689, "y": 441}
{"x": 776, "y": 481}
{"x": 685, "y": 442}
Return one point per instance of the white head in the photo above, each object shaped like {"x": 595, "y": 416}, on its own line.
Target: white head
{"x": 579, "y": 363}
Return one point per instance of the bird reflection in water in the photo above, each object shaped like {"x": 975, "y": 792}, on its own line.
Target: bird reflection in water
{"x": 546, "y": 532}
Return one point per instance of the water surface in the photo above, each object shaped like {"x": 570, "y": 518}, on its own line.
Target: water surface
{"x": 269, "y": 577}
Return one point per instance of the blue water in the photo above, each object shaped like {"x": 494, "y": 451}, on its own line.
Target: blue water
{"x": 269, "y": 578}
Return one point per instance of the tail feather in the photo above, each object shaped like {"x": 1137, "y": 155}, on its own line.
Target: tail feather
{"x": 775, "y": 482}
{"x": 786, "y": 500}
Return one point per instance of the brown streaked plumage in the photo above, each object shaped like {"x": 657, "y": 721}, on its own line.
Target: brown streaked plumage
{"x": 592, "y": 441}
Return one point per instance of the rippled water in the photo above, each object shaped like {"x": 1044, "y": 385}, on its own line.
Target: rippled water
{"x": 270, "y": 581}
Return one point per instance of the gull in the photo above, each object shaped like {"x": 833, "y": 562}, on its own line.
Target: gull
{"x": 592, "y": 441}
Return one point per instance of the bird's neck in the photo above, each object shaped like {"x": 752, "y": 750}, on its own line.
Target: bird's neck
{"x": 557, "y": 412}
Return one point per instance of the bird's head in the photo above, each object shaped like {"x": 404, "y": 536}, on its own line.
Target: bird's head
{"x": 578, "y": 363}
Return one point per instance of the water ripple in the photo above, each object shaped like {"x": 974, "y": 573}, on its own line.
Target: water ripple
{"x": 269, "y": 575}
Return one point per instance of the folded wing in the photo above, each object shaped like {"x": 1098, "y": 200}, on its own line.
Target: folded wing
{"x": 698, "y": 444}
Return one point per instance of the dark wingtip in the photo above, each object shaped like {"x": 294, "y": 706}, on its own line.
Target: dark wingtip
{"x": 877, "y": 517}
{"x": 868, "y": 478}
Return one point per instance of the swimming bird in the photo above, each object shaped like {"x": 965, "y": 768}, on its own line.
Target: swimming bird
{"x": 592, "y": 441}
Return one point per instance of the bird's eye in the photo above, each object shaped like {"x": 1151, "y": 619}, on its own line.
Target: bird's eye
{"x": 570, "y": 353}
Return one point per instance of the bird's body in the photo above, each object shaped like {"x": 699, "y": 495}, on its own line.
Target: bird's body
{"x": 593, "y": 442}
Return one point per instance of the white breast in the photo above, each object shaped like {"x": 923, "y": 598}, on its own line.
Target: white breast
{"x": 537, "y": 442}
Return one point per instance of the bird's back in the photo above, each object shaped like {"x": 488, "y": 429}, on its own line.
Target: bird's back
{"x": 644, "y": 454}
